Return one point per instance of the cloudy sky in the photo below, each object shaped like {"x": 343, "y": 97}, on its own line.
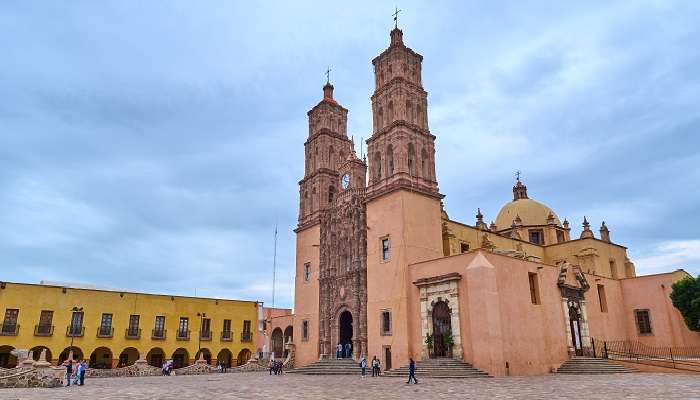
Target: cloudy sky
{"x": 154, "y": 145}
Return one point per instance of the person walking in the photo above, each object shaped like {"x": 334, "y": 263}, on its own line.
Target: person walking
{"x": 339, "y": 351}
{"x": 412, "y": 372}
{"x": 69, "y": 370}
{"x": 374, "y": 366}
{"x": 363, "y": 365}
{"x": 348, "y": 350}
{"x": 271, "y": 365}
{"x": 83, "y": 370}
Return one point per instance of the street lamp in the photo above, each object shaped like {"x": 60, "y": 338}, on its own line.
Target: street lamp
{"x": 199, "y": 341}
{"x": 72, "y": 331}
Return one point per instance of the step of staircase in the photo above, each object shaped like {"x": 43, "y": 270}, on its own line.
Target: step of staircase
{"x": 590, "y": 365}
{"x": 344, "y": 366}
{"x": 440, "y": 368}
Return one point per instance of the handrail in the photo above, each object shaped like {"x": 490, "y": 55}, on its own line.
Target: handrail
{"x": 676, "y": 357}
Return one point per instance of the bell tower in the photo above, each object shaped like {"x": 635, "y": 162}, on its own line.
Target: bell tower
{"x": 401, "y": 149}
{"x": 325, "y": 151}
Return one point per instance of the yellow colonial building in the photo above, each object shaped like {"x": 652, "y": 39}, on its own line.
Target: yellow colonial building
{"x": 112, "y": 328}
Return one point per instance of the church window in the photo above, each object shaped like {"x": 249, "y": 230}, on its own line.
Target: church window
{"x": 419, "y": 115}
{"x": 411, "y": 159}
{"x": 307, "y": 272}
{"x": 536, "y": 236}
{"x": 409, "y": 111}
{"x": 389, "y": 161}
{"x": 380, "y": 118}
{"x": 424, "y": 164}
{"x": 560, "y": 237}
{"x": 385, "y": 323}
{"x": 331, "y": 158}
{"x": 534, "y": 288}
{"x": 613, "y": 269}
{"x": 464, "y": 247}
{"x": 331, "y": 194}
{"x": 390, "y": 112}
{"x": 386, "y": 248}
{"x": 602, "y": 299}
{"x": 378, "y": 166}
{"x": 305, "y": 330}
{"x": 643, "y": 321}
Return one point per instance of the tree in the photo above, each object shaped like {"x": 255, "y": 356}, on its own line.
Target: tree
{"x": 686, "y": 298}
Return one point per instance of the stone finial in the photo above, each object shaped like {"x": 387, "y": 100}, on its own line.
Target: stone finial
{"x": 514, "y": 231}
{"x": 486, "y": 243}
{"x": 587, "y": 233}
{"x": 566, "y": 224}
{"x": 493, "y": 227}
{"x": 480, "y": 224}
{"x": 328, "y": 91}
{"x": 519, "y": 191}
{"x": 604, "y": 233}
{"x": 396, "y": 37}
{"x": 550, "y": 219}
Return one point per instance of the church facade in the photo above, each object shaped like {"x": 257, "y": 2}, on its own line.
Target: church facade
{"x": 380, "y": 265}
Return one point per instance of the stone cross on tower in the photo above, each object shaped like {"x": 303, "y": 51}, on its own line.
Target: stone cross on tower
{"x": 396, "y": 17}
{"x": 328, "y": 75}
{"x": 517, "y": 175}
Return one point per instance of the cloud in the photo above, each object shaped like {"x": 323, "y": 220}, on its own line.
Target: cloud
{"x": 158, "y": 153}
{"x": 669, "y": 256}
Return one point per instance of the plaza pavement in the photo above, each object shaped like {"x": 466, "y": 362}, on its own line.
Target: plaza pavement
{"x": 287, "y": 387}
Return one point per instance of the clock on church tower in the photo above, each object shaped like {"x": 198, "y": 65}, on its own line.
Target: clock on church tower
{"x": 353, "y": 173}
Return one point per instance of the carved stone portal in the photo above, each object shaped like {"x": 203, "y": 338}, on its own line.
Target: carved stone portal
{"x": 343, "y": 274}
{"x": 435, "y": 290}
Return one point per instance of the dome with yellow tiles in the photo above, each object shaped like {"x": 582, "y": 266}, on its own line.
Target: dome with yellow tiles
{"x": 530, "y": 212}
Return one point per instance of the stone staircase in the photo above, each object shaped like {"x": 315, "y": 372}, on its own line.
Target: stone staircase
{"x": 331, "y": 366}
{"x": 440, "y": 368}
{"x": 589, "y": 365}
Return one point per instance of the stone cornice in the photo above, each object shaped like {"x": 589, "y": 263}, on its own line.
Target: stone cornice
{"x": 320, "y": 171}
{"x": 395, "y": 47}
{"x": 399, "y": 123}
{"x": 434, "y": 280}
{"x": 308, "y": 224}
{"x": 326, "y": 132}
{"x": 402, "y": 184}
{"x": 394, "y": 82}
{"x": 329, "y": 103}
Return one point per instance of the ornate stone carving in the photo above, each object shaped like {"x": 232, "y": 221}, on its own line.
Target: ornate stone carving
{"x": 343, "y": 271}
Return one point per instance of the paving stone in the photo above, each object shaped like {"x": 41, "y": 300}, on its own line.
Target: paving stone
{"x": 262, "y": 386}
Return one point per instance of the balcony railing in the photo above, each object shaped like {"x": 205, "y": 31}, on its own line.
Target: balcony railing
{"x": 75, "y": 331}
{"x": 132, "y": 333}
{"x": 9, "y": 329}
{"x": 183, "y": 335}
{"x": 246, "y": 336}
{"x": 226, "y": 336}
{"x": 158, "y": 334}
{"x": 105, "y": 332}
{"x": 43, "y": 330}
{"x": 205, "y": 335}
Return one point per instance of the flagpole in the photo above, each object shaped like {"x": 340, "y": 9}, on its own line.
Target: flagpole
{"x": 274, "y": 267}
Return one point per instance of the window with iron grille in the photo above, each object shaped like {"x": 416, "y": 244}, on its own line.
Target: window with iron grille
{"x": 305, "y": 330}
{"x": 106, "y": 325}
{"x": 183, "y": 327}
{"x": 76, "y": 323}
{"x": 643, "y": 321}
{"x": 206, "y": 326}
{"x": 227, "y": 327}
{"x": 307, "y": 272}
{"x": 45, "y": 321}
{"x": 386, "y": 323}
{"x": 133, "y": 325}
{"x": 9, "y": 324}
{"x": 160, "y": 324}
{"x": 385, "y": 249}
